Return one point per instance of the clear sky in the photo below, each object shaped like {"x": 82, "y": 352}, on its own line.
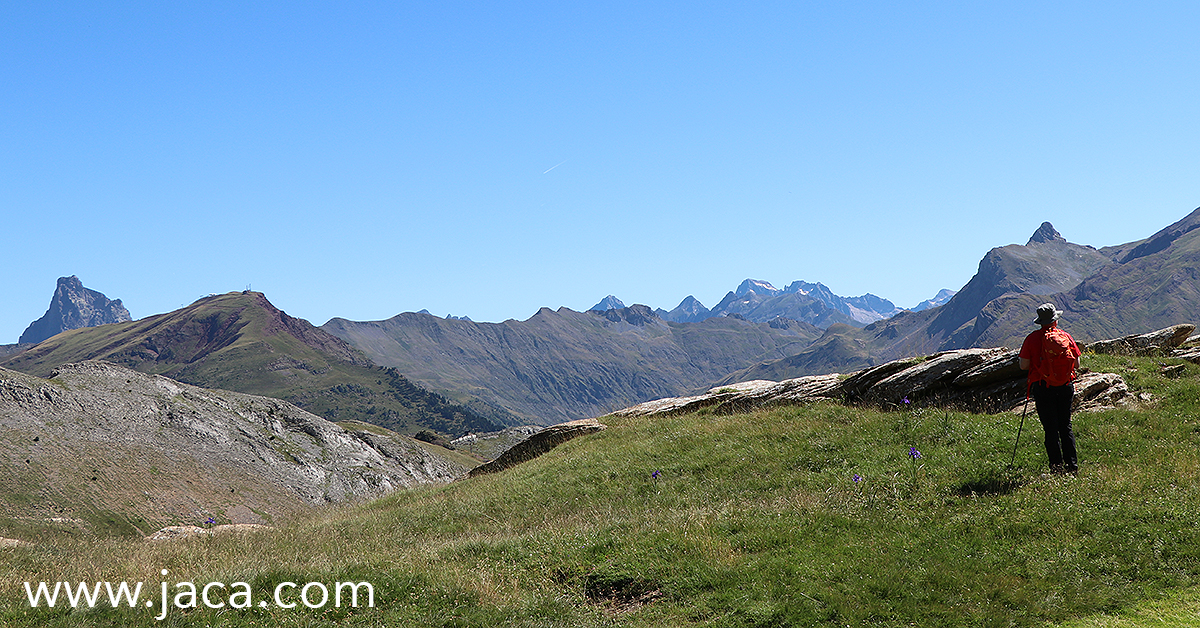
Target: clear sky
{"x": 361, "y": 159}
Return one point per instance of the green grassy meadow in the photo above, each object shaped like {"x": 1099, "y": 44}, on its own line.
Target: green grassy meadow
{"x": 743, "y": 520}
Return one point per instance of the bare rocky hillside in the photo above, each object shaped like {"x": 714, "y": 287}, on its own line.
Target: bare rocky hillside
{"x": 104, "y": 447}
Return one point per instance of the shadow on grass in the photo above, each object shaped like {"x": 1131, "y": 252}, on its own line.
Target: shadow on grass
{"x": 991, "y": 482}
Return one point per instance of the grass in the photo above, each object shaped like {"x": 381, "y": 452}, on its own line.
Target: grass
{"x": 752, "y": 520}
{"x": 1177, "y": 608}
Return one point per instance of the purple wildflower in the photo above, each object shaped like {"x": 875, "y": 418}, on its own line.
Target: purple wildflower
{"x": 656, "y": 474}
{"x": 857, "y": 478}
{"x": 913, "y": 453}
{"x": 905, "y": 400}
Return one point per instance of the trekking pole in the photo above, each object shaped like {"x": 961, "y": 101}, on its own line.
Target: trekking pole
{"x": 1014, "y": 454}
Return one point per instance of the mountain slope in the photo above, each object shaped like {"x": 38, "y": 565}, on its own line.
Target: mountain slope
{"x": 1148, "y": 284}
{"x": 73, "y": 307}
{"x": 1046, "y": 265}
{"x": 839, "y": 350}
{"x": 941, "y": 298}
{"x": 867, "y": 308}
{"x": 1154, "y": 281}
{"x": 120, "y": 450}
{"x": 564, "y": 365}
{"x": 240, "y": 341}
{"x": 1155, "y": 243}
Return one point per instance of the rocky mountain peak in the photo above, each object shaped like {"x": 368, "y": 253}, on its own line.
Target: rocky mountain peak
{"x": 73, "y": 307}
{"x": 1046, "y": 233}
{"x": 756, "y": 286}
{"x": 690, "y": 310}
{"x": 609, "y": 302}
{"x": 941, "y": 298}
{"x": 638, "y": 315}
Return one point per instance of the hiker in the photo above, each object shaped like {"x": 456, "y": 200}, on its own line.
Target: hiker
{"x": 1052, "y": 358}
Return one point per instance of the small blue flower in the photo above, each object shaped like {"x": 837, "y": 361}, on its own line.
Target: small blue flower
{"x": 857, "y": 478}
{"x": 656, "y": 474}
{"x": 913, "y": 453}
{"x": 210, "y": 521}
{"x": 905, "y": 400}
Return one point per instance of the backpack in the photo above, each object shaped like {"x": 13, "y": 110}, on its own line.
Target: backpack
{"x": 1057, "y": 364}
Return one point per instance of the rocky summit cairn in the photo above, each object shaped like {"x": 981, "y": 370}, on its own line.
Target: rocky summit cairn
{"x": 74, "y": 307}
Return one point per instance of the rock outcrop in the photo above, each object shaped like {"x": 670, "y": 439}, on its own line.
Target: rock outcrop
{"x": 538, "y": 444}
{"x": 979, "y": 380}
{"x": 490, "y": 445}
{"x": 1161, "y": 342}
{"x": 74, "y": 307}
{"x": 97, "y": 437}
{"x": 172, "y": 533}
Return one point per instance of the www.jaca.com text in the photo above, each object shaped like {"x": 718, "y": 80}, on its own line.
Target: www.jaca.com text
{"x": 185, "y": 595}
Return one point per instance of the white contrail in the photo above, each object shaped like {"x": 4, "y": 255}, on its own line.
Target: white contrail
{"x": 556, "y": 165}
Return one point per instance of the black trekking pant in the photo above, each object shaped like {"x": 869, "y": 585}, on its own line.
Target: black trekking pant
{"x": 1054, "y": 411}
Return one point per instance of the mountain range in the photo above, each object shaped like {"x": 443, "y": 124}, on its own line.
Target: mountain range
{"x": 759, "y": 301}
{"x": 561, "y": 365}
{"x": 564, "y": 365}
{"x": 545, "y": 373}
{"x": 230, "y": 410}
{"x": 452, "y": 375}
{"x": 239, "y": 341}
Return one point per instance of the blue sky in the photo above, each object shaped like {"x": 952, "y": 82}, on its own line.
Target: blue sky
{"x": 365, "y": 159}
